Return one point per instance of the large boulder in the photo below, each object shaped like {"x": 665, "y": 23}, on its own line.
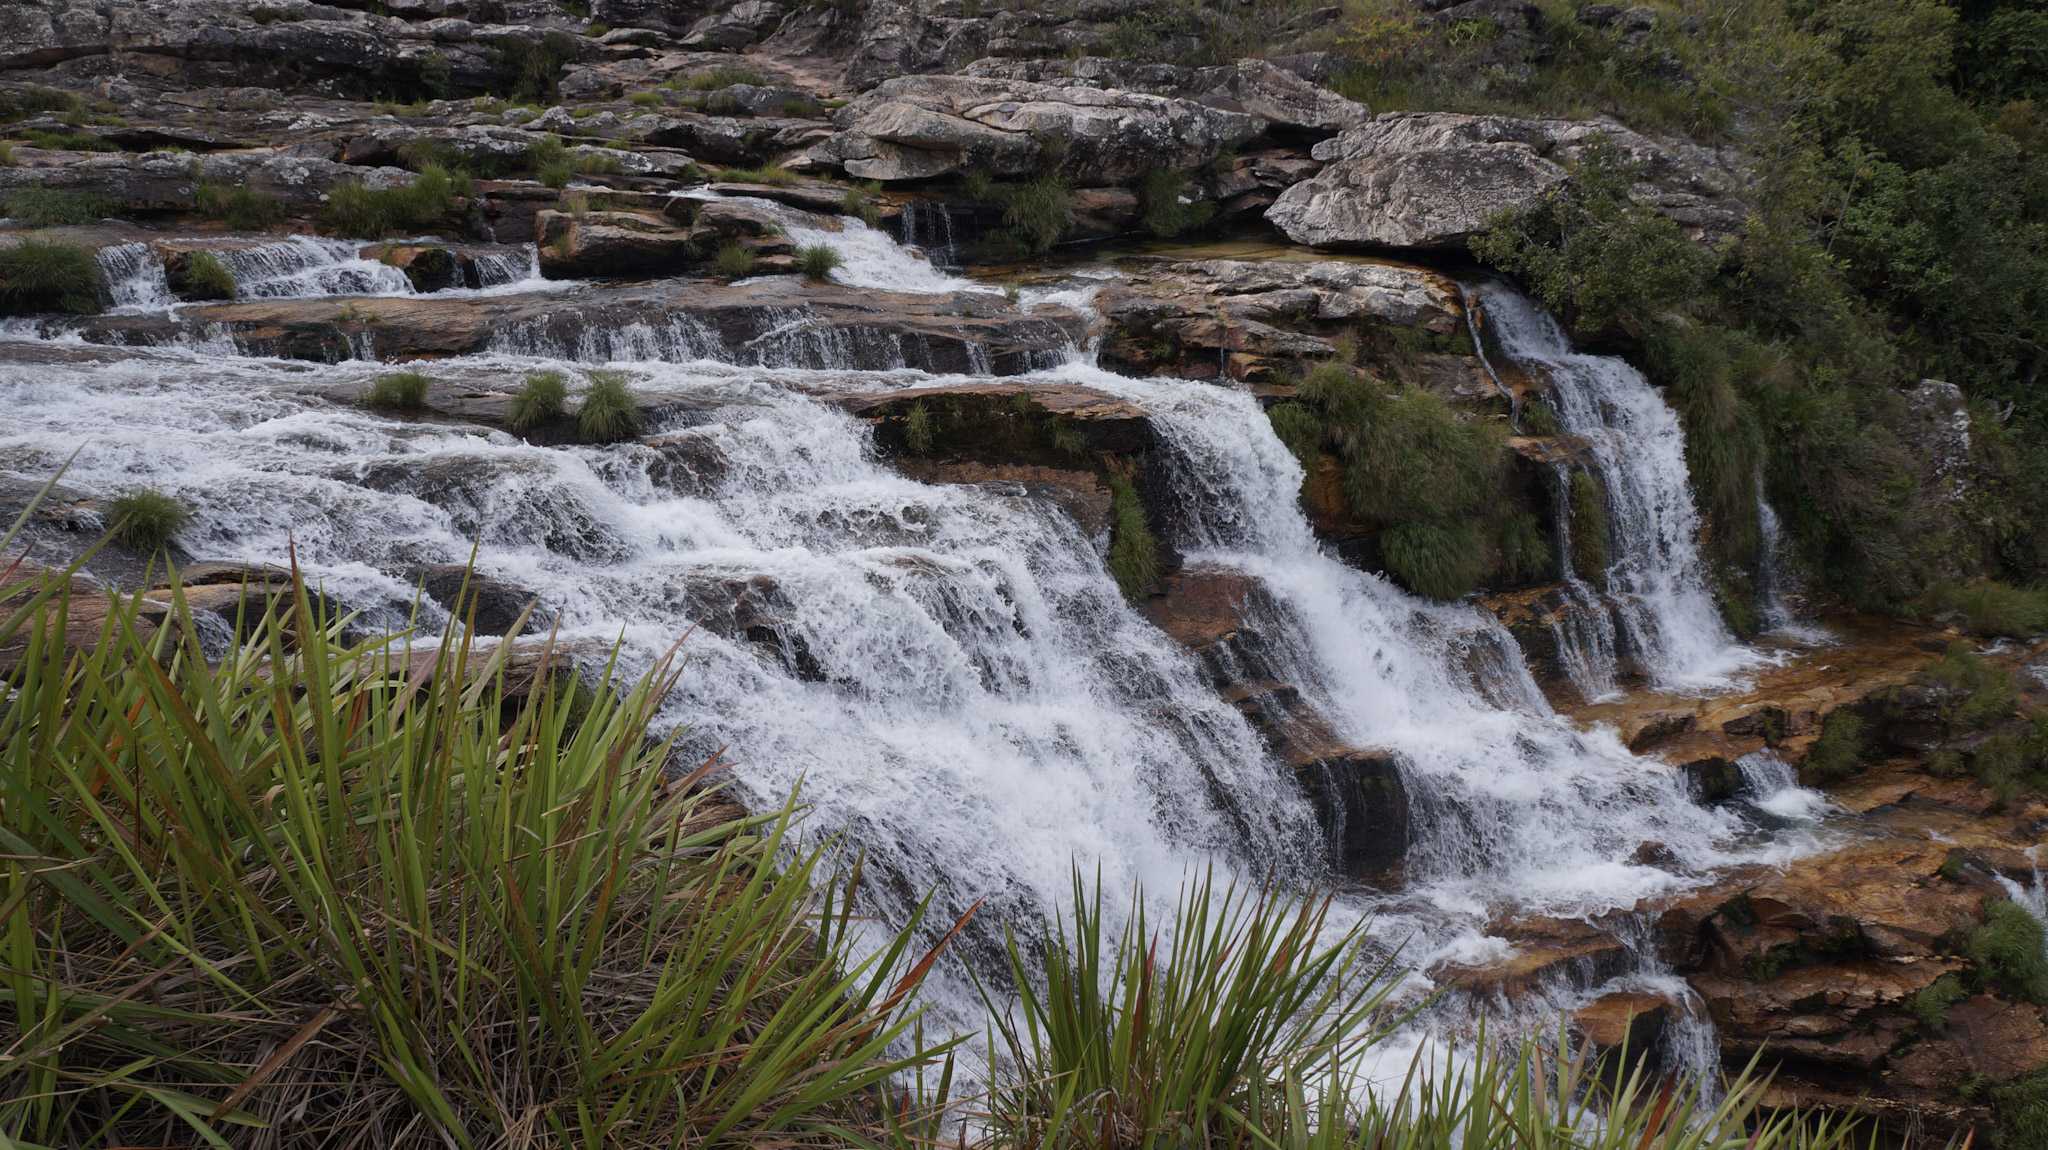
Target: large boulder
{"x": 1280, "y": 95}
{"x": 920, "y": 127}
{"x": 1432, "y": 179}
{"x": 169, "y": 181}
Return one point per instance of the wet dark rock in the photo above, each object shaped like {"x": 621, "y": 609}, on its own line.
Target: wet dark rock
{"x": 1362, "y": 805}
{"x": 1624, "y": 1020}
{"x": 497, "y": 604}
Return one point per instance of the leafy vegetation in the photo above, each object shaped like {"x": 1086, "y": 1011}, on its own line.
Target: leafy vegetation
{"x": 1930, "y": 1005}
{"x": 1164, "y": 207}
{"x": 542, "y": 938}
{"x": 1838, "y": 753}
{"x": 1133, "y": 550}
{"x": 244, "y": 208}
{"x": 145, "y": 518}
{"x": 41, "y": 207}
{"x": 540, "y": 400}
{"x": 39, "y": 274}
{"x": 204, "y": 275}
{"x": 1993, "y": 609}
{"x": 609, "y": 411}
{"x": 1406, "y": 462}
{"x": 818, "y": 261}
{"x": 399, "y": 390}
{"x": 2011, "y": 951}
{"x": 772, "y": 174}
{"x": 529, "y": 67}
{"x": 362, "y": 213}
{"x": 733, "y": 261}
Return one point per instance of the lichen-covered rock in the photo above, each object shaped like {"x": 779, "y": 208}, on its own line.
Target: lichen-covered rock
{"x": 926, "y": 126}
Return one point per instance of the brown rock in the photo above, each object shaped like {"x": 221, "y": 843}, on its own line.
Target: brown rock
{"x": 1628, "y": 1019}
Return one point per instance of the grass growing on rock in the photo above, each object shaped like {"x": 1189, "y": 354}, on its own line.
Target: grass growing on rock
{"x": 54, "y": 207}
{"x": 1993, "y": 609}
{"x": 733, "y": 261}
{"x": 1930, "y": 1006}
{"x": 145, "y": 518}
{"x": 1587, "y": 499}
{"x": 818, "y": 261}
{"x": 399, "y": 390}
{"x": 2011, "y": 951}
{"x": 1133, "y": 550}
{"x": 1838, "y": 753}
{"x": 1164, "y": 207}
{"x": 542, "y": 940}
{"x": 771, "y": 174}
{"x": 359, "y": 212}
{"x": 243, "y": 208}
{"x": 609, "y": 411}
{"x": 39, "y": 274}
{"x": 206, "y": 276}
{"x": 540, "y": 400}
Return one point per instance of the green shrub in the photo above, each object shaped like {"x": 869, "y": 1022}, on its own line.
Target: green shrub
{"x": 646, "y": 99}
{"x": 540, "y": 400}
{"x": 399, "y": 390}
{"x": 31, "y": 99}
{"x": 358, "y": 212}
{"x": 1538, "y": 418}
{"x": 609, "y": 411}
{"x": 1838, "y": 752}
{"x": 772, "y": 174}
{"x": 69, "y": 141}
{"x": 54, "y": 208}
{"x": 1133, "y": 552}
{"x": 530, "y": 68}
{"x": 1971, "y": 693}
{"x": 1588, "y": 498}
{"x": 244, "y": 208}
{"x": 1036, "y": 213}
{"x": 1440, "y": 560}
{"x": 734, "y": 261}
{"x": 858, "y": 206}
{"x": 818, "y": 261}
{"x": 41, "y": 275}
{"x": 507, "y": 882}
{"x": 1164, "y": 208}
{"x": 1067, "y": 437}
{"x": 1930, "y": 1006}
{"x": 918, "y": 430}
{"x": 2023, "y": 1110}
{"x": 2011, "y": 951}
{"x": 205, "y": 275}
{"x": 1525, "y": 553}
{"x": 557, "y": 173}
{"x": 1994, "y": 609}
{"x": 145, "y": 518}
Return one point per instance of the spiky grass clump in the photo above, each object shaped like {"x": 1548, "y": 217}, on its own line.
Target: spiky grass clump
{"x": 359, "y": 212}
{"x": 145, "y": 518}
{"x": 818, "y": 261}
{"x": 399, "y": 390}
{"x": 41, "y": 207}
{"x": 1930, "y": 1006}
{"x": 774, "y": 175}
{"x": 609, "y": 411}
{"x": 540, "y": 400}
{"x": 1133, "y": 550}
{"x": 243, "y": 208}
{"x": 1442, "y": 560}
{"x": 43, "y": 275}
{"x": 317, "y": 886}
{"x": 1838, "y": 753}
{"x": 204, "y": 275}
{"x": 734, "y": 261}
{"x": 557, "y": 173}
{"x": 1587, "y": 500}
{"x": 1164, "y": 207}
{"x": 1994, "y": 609}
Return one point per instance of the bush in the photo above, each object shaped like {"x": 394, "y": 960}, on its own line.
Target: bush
{"x": 1164, "y": 209}
{"x": 772, "y": 174}
{"x": 1838, "y": 752}
{"x": 145, "y": 518}
{"x": 734, "y": 261}
{"x": 610, "y": 411}
{"x": 506, "y": 882}
{"x": 205, "y": 275}
{"x": 1440, "y": 560}
{"x": 356, "y": 211}
{"x": 540, "y": 400}
{"x": 32, "y": 99}
{"x": 1133, "y": 552}
{"x": 245, "y": 209}
{"x": 2011, "y": 951}
{"x": 69, "y": 141}
{"x": 1036, "y": 213}
{"x": 43, "y": 275}
{"x": 1994, "y": 609}
{"x": 41, "y": 207}
{"x": 530, "y": 69}
{"x": 399, "y": 390}
{"x": 818, "y": 261}
{"x": 1525, "y": 553}
{"x": 1930, "y": 1006}
{"x": 1971, "y": 694}
{"x": 557, "y": 173}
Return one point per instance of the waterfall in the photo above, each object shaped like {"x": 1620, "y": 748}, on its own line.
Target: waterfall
{"x": 1663, "y": 610}
{"x": 929, "y": 229}
{"x": 948, "y": 671}
{"x": 302, "y": 266}
{"x": 1778, "y": 585}
{"x": 135, "y": 280}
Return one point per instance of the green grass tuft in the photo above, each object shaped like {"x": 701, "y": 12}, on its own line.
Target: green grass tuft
{"x": 399, "y": 390}
{"x": 734, "y": 261}
{"x": 145, "y": 518}
{"x": 1133, "y": 551}
{"x": 540, "y": 400}
{"x": 1165, "y": 209}
{"x": 556, "y": 173}
{"x": 1930, "y": 1006}
{"x": 1994, "y": 609}
{"x": 41, "y": 207}
{"x": 204, "y": 275}
{"x": 609, "y": 411}
{"x": 918, "y": 430}
{"x": 818, "y": 261}
{"x": 1440, "y": 560}
{"x": 360, "y": 213}
{"x": 44, "y": 275}
{"x": 1588, "y": 498}
{"x": 2011, "y": 951}
{"x": 1838, "y": 753}
{"x": 771, "y": 174}
{"x": 244, "y": 208}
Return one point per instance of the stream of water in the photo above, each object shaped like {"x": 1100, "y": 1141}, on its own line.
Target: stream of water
{"x": 948, "y": 671}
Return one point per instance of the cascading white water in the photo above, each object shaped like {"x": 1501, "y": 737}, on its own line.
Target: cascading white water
{"x": 1777, "y": 583}
{"x": 1663, "y": 606}
{"x": 300, "y": 266}
{"x": 948, "y": 671}
{"x": 135, "y": 280}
